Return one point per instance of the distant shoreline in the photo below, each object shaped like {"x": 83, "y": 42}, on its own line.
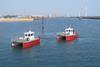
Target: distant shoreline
{"x": 30, "y": 19}
{"x": 89, "y": 17}
{"x": 16, "y": 19}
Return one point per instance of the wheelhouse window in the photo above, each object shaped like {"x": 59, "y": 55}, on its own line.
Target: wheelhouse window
{"x": 26, "y": 35}
{"x": 31, "y": 34}
{"x": 67, "y": 30}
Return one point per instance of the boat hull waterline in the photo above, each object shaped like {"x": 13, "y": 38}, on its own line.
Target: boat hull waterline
{"x": 61, "y": 37}
{"x": 26, "y": 44}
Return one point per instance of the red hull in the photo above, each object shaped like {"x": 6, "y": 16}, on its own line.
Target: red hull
{"x": 31, "y": 43}
{"x": 72, "y": 37}
{"x": 69, "y": 38}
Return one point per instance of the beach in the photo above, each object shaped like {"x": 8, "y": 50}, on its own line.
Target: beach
{"x": 16, "y": 19}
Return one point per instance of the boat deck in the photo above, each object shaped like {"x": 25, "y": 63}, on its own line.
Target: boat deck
{"x": 22, "y": 40}
{"x": 63, "y": 34}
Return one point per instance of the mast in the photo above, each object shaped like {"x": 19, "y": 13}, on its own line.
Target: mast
{"x": 42, "y": 24}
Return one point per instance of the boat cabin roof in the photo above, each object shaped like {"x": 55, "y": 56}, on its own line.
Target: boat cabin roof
{"x": 69, "y": 29}
{"x": 29, "y": 32}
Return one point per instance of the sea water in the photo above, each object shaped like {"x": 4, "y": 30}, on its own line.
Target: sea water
{"x": 83, "y": 52}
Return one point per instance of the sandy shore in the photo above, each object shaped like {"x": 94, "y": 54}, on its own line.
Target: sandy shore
{"x": 16, "y": 19}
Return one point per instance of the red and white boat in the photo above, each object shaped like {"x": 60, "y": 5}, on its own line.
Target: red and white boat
{"x": 69, "y": 34}
{"x": 26, "y": 41}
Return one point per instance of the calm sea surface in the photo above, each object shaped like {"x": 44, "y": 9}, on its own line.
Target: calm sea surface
{"x": 83, "y": 52}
